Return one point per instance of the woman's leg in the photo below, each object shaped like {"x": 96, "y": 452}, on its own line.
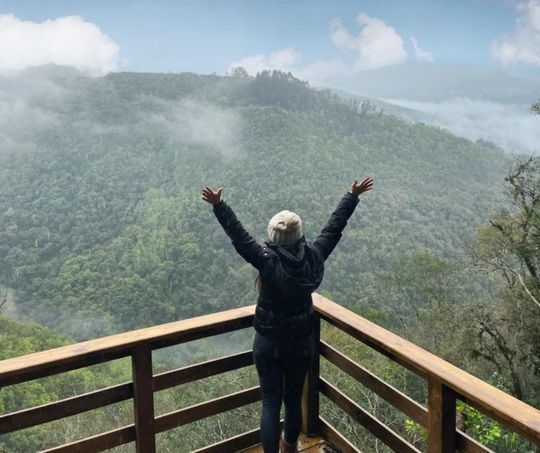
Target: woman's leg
{"x": 270, "y": 371}
{"x": 296, "y": 366}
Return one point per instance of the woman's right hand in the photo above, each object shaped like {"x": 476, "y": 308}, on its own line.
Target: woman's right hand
{"x": 212, "y": 196}
{"x": 358, "y": 188}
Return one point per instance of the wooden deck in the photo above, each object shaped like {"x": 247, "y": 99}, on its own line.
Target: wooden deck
{"x": 306, "y": 444}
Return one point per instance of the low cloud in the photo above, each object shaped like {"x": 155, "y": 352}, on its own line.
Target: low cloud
{"x": 377, "y": 44}
{"x": 522, "y": 45}
{"x": 41, "y": 103}
{"x": 419, "y": 53}
{"x": 69, "y": 41}
{"x": 511, "y": 126}
{"x": 205, "y": 124}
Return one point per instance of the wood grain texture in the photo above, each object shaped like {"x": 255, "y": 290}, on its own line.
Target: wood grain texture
{"x": 441, "y": 418}
{"x": 504, "y": 408}
{"x": 207, "y": 409}
{"x": 65, "y": 408}
{"x": 99, "y": 442}
{"x": 143, "y": 399}
{"x": 202, "y": 370}
{"x": 336, "y": 438}
{"x": 466, "y": 444}
{"x": 310, "y": 392}
{"x": 65, "y": 358}
{"x": 233, "y": 444}
{"x": 367, "y": 420}
{"x": 307, "y": 443}
{"x": 399, "y": 400}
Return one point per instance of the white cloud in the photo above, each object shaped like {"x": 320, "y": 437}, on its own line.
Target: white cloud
{"x": 419, "y": 53}
{"x": 523, "y": 43}
{"x": 67, "y": 41}
{"x": 289, "y": 60}
{"x": 377, "y": 44}
{"x": 283, "y": 60}
{"x": 339, "y": 35}
{"x": 511, "y": 126}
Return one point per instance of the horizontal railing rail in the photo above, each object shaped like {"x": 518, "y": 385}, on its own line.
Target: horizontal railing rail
{"x": 138, "y": 345}
{"x": 446, "y": 383}
{"x": 79, "y": 355}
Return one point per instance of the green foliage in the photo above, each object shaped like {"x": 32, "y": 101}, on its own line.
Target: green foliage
{"x": 535, "y": 108}
{"x": 487, "y": 431}
{"x": 101, "y": 224}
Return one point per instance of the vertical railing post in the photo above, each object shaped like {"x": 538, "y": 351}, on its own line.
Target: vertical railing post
{"x": 441, "y": 417}
{"x": 310, "y": 394}
{"x": 143, "y": 399}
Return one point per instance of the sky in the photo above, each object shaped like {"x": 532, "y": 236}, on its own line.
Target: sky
{"x": 472, "y": 66}
{"x": 208, "y": 36}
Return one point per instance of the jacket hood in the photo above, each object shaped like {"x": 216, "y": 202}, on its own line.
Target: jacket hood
{"x": 300, "y": 263}
{"x": 291, "y": 255}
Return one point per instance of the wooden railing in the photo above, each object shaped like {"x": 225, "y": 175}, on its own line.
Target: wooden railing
{"x": 446, "y": 383}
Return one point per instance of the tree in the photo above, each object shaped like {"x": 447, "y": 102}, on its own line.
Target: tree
{"x": 239, "y": 72}
{"x": 507, "y": 330}
{"x": 510, "y": 243}
{"x": 536, "y": 108}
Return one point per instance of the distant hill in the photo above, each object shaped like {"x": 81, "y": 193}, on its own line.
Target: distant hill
{"x": 385, "y": 107}
{"x": 433, "y": 82}
{"x": 101, "y": 224}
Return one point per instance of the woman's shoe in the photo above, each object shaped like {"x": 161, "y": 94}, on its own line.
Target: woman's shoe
{"x": 285, "y": 447}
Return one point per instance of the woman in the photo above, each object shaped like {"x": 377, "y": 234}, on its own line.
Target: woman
{"x": 290, "y": 269}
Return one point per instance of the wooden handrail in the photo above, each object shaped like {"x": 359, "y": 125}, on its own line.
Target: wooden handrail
{"x": 78, "y": 355}
{"x": 511, "y": 412}
{"x": 137, "y": 344}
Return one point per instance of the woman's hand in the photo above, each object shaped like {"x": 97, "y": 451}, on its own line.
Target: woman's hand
{"x": 211, "y": 196}
{"x": 358, "y": 188}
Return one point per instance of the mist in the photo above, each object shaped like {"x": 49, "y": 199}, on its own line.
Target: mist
{"x": 511, "y": 126}
{"x": 48, "y": 100}
{"x": 197, "y": 123}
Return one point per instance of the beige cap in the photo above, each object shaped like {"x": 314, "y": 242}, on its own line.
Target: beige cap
{"x": 285, "y": 228}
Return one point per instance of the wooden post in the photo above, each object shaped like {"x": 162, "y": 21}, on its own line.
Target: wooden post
{"x": 310, "y": 394}
{"x": 143, "y": 399}
{"x": 441, "y": 417}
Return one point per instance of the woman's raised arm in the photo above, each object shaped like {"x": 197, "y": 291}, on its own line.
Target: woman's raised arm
{"x": 242, "y": 241}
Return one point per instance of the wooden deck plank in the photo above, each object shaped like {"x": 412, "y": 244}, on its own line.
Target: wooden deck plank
{"x": 306, "y": 444}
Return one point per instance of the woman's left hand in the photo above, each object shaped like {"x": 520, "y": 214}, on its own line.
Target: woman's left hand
{"x": 212, "y": 196}
{"x": 360, "y": 187}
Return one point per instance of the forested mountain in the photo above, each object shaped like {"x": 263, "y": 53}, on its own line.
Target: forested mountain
{"x": 101, "y": 224}
{"x": 102, "y": 228}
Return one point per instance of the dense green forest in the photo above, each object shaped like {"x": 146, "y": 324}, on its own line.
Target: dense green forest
{"x": 102, "y": 228}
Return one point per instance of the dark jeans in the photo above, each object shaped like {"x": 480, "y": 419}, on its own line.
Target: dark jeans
{"x": 282, "y": 368}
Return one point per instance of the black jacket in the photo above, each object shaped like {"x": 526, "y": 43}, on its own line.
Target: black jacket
{"x": 289, "y": 274}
